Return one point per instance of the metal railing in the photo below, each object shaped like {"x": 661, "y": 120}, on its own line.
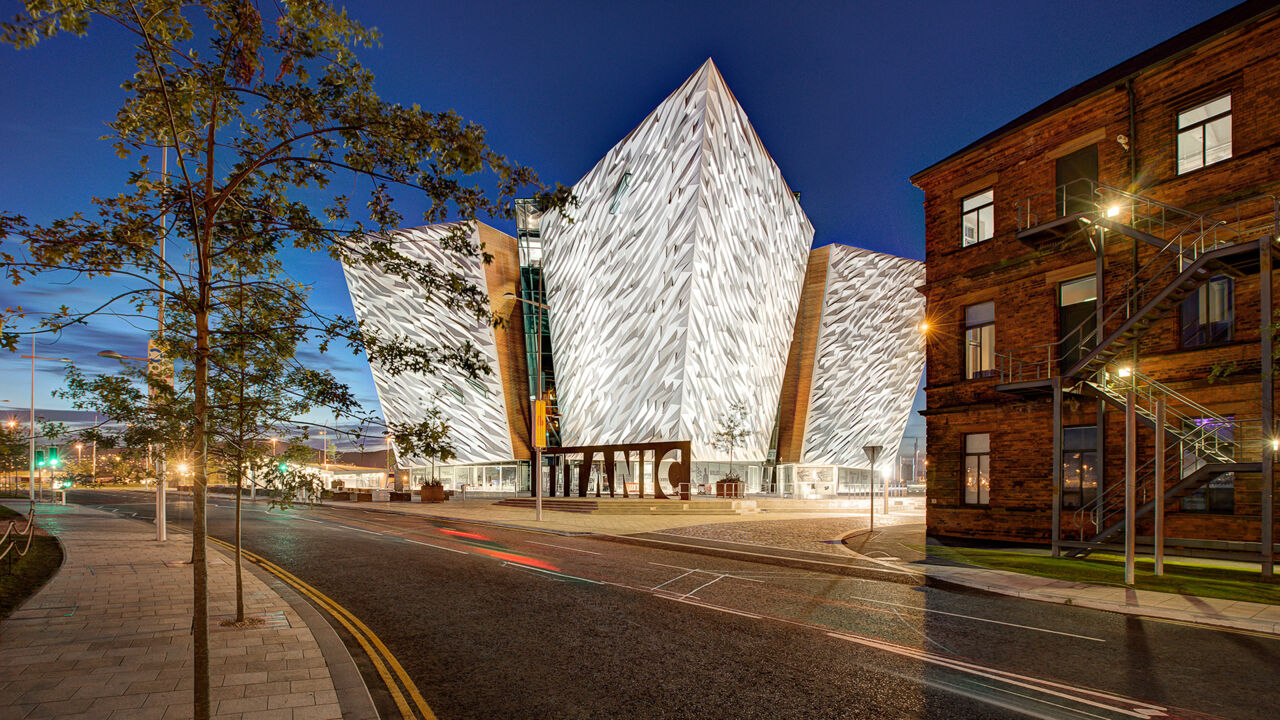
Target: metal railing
{"x": 1185, "y": 235}
{"x": 1181, "y": 461}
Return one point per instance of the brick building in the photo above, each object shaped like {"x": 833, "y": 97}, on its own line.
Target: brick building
{"x": 1098, "y": 255}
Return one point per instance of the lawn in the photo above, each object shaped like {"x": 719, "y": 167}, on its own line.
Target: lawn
{"x": 1184, "y": 577}
{"x": 21, "y": 577}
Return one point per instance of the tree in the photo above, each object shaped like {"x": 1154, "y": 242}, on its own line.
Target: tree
{"x": 260, "y": 114}
{"x": 733, "y": 433}
{"x": 13, "y": 450}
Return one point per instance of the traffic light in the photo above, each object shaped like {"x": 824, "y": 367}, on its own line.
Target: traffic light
{"x": 39, "y": 458}
{"x": 282, "y": 467}
{"x": 53, "y": 457}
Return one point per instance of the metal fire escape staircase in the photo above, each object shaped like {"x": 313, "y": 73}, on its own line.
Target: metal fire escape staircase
{"x": 1190, "y": 250}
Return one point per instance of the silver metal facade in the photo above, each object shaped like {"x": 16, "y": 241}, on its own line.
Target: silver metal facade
{"x": 394, "y": 308}
{"x": 673, "y": 292}
{"x": 869, "y": 357}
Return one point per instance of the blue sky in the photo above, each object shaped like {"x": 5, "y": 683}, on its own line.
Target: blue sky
{"x": 849, "y": 98}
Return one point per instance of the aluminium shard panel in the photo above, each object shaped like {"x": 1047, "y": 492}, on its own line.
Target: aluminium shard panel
{"x": 674, "y": 289}
{"x": 869, "y": 357}
{"x": 395, "y": 308}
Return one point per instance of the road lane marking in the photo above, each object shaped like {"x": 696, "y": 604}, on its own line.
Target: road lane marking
{"x": 315, "y": 596}
{"x": 563, "y": 547}
{"x": 1140, "y": 708}
{"x": 708, "y": 606}
{"x": 557, "y": 575}
{"x": 438, "y": 547}
{"x": 705, "y": 584}
{"x": 655, "y": 587}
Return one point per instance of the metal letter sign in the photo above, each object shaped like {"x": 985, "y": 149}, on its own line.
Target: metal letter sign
{"x": 540, "y": 423}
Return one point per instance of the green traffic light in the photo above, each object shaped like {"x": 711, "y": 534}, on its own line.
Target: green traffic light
{"x": 282, "y": 467}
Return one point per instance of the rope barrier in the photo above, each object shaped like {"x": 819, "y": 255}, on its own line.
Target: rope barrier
{"x": 27, "y": 531}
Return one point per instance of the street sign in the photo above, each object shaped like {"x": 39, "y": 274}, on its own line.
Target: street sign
{"x": 540, "y": 424}
{"x": 872, "y": 451}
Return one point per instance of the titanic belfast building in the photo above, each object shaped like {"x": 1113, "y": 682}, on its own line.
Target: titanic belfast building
{"x": 681, "y": 299}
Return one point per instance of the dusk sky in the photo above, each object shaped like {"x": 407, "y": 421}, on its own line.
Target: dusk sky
{"x": 850, "y": 99}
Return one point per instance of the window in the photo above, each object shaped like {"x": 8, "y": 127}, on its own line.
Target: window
{"x": 1208, "y": 315}
{"x": 977, "y": 469}
{"x": 979, "y": 340}
{"x": 1079, "y": 466}
{"x": 1209, "y": 435}
{"x": 978, "y": 218}
{"x": 1204, "y": 134}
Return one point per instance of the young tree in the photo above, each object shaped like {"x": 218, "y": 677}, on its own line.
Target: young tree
{"x": 260, "y": 110}
{"x": 733, "y": 433}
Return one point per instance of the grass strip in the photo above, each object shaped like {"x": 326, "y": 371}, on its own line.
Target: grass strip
{"x": 21, "y": 577}
{"x": 1184, "y": 578}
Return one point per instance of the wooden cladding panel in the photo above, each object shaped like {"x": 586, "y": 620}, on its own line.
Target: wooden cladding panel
{"x": 794, "y": 399}
{"x": 502, "y": 276}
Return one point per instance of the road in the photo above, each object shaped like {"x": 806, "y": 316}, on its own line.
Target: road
{"x": 497, "y": 623}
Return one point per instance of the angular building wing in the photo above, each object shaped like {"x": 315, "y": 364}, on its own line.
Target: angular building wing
{"x": 674, "y": 289}
{"x": 855, "y": 360}
{"x": 489, "y": 415}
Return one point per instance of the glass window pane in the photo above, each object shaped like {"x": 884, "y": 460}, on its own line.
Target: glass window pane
{"x": 1191, "y": 149}
{"x": 974, "y": 201}
{"x": 970, "y": 229}
{"x": 1204, "y": 112}
{"x": 1217, "y": 140}
{"x": 986, "y": 216}
{"x": 984, "y": 479}
{"x": 1084, "y": 289}
{"x": 988, "y": 348}
{"x": 977, "y": 443}
{"x": 971, "y": 479}
{"x": 980, "y": 314}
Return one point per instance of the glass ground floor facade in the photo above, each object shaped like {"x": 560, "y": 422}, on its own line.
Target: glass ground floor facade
{"x": 789, "y": 480}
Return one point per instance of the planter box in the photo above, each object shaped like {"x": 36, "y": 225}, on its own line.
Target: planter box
{"x": 730, "y": 488}
{"x": 401, "y": 497}
{"x": 432, "y": 493}
{"x": 364, "y": 497}
{"x": 342, "y": 496}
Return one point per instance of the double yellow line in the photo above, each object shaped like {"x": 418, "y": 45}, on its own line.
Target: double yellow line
{"x": 386, "y": 664}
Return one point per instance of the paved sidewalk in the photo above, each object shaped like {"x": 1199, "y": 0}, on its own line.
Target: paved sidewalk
{"x": 109, "y": 636}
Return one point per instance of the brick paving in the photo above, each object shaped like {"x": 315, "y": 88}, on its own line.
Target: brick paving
{"x": 109, "y": 638}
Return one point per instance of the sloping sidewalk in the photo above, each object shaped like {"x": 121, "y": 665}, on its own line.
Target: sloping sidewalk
{"x": 109, "y": 636}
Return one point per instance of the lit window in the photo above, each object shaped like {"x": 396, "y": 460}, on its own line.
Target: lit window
{"x": 1204, "y": 135}
{"x": 978, "y": 218}
{"x": 979, "y": 340}
{"x": 1079, "y": 466}
{"x": 977, "y": 469}
{"x": 1208, "y": 315}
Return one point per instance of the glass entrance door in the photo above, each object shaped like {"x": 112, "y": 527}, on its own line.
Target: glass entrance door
{"x": 1077, "y": 320}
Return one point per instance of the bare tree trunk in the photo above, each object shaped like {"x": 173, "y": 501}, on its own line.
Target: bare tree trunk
{"x": 199, "y": 566}
{"x": 239, "y": 576}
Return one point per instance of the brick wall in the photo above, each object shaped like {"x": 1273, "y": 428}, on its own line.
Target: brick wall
{"x": 1022, "y": 279}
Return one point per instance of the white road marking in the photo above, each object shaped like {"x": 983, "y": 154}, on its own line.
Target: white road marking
{"x": 709, "y": 582}
{"x": 979, "y": 619}
{"x": 655, "y": 587}
{"x": 438, "y": 547}
{"x": 1141, "y": 710}
{"x": 687, "y": 601}
{"x": 553, "y": 573}
{"x": 564, "y": 547}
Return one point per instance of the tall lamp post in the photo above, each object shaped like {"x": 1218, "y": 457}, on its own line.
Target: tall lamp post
{"x": 534, "y": 440}
{"x": 31, "y": 459}
{"x": 161, "y": 511}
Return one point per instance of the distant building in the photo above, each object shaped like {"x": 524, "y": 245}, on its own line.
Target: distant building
{"x": 683, "y": 287}
{"x": 1111, "y": 240}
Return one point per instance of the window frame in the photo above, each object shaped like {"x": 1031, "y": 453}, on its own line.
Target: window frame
{"x": 1231, "y": 323}
{"x": 1178, "y": 132}
{"x": 970, "y": 373}
{"x": 964, "y": 485}
{"x": 964, "y": 214}
{"x": 1098, "y": 470}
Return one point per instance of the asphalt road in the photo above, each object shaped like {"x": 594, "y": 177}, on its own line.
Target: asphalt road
{"x": 496, "y": 623}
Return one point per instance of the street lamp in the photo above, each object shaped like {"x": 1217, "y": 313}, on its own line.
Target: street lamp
{"x": 31, "y": 481}
{"x": 161, "y": 509}
{"x": 533, "y": 439}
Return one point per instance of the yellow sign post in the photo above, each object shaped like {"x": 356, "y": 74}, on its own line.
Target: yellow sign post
{"x": 540, "y": 424}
